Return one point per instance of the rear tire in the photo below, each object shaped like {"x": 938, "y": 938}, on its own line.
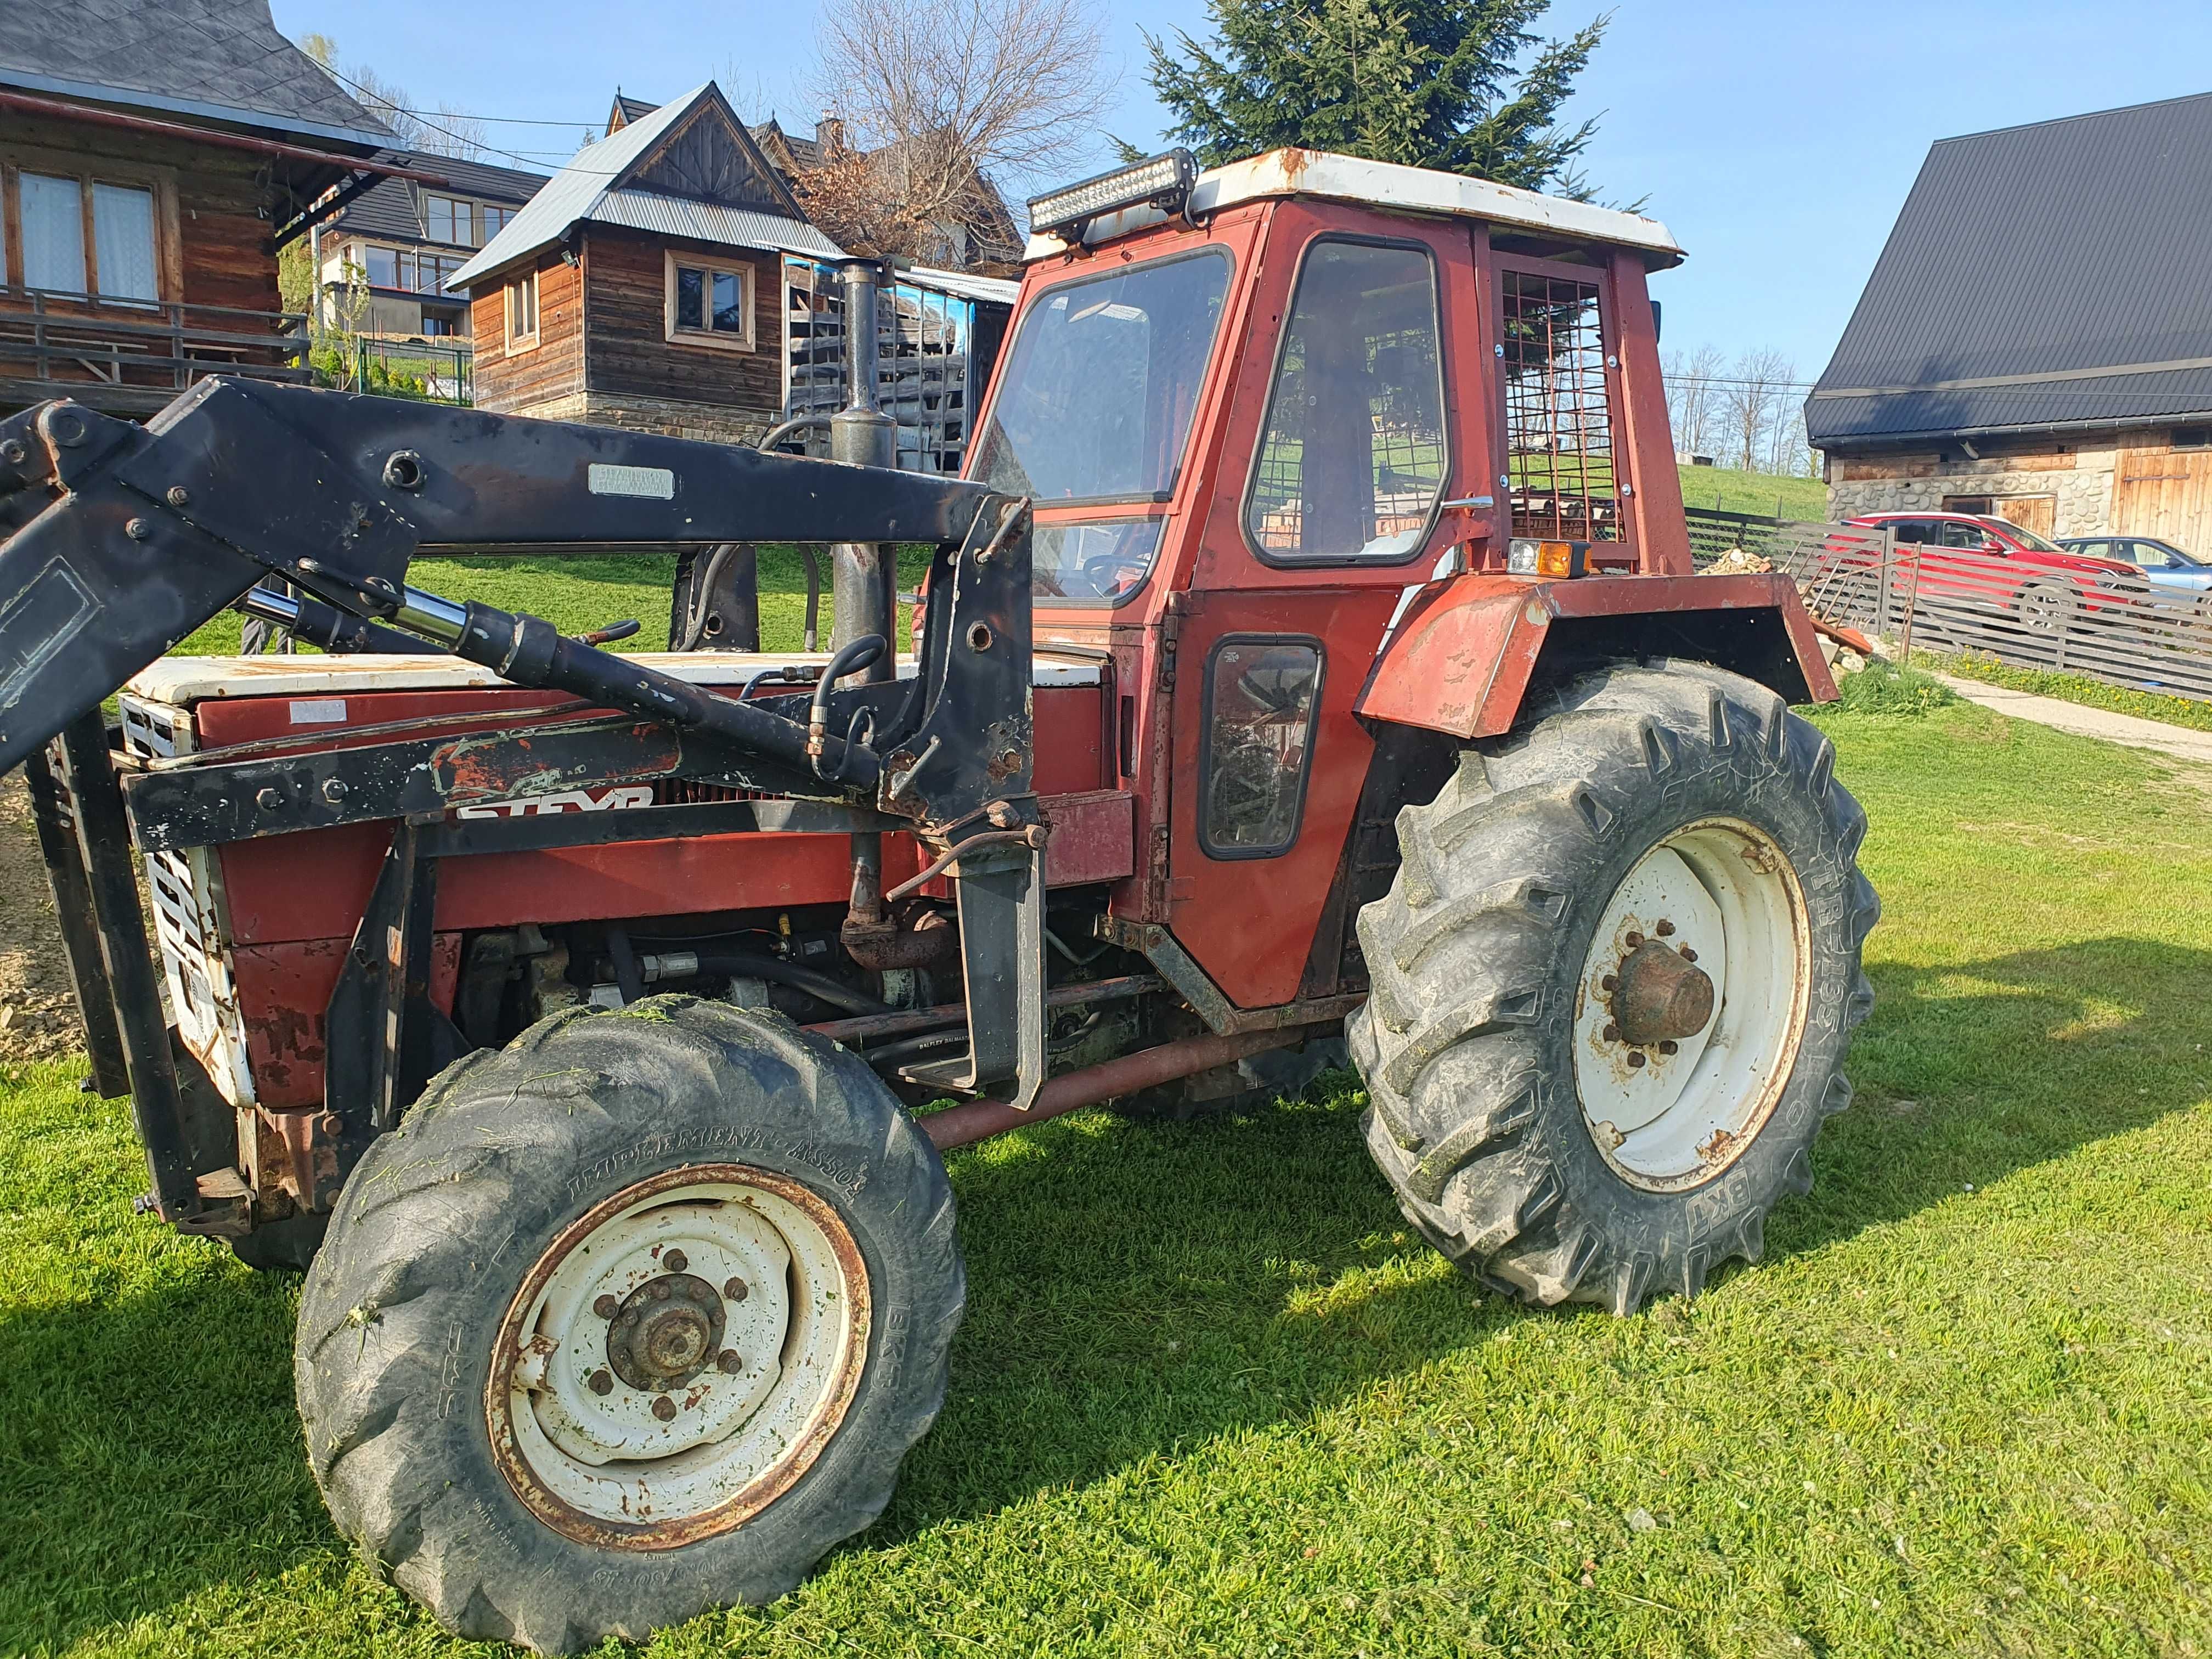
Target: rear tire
{"x": 1494, "y": 1074}
{"x": 547, "y": 1428}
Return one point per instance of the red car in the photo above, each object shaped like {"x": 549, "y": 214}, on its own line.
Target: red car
{"x": 1986, "y": 562}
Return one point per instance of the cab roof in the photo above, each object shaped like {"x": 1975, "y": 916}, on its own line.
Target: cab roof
{"x": 1385, "y": 184}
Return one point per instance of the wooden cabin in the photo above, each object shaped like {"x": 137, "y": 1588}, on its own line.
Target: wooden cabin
{"x": 642, "y": 287}
{"x": 153, "y": 159}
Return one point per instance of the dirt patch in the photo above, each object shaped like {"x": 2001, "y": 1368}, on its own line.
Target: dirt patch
{"x": 38, "y": 1008}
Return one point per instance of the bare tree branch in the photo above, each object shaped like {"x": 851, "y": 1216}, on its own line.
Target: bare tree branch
{"x": 940, "y": 96}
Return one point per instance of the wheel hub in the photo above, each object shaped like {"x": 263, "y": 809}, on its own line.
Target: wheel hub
{"x": 665, "y": 1332}
{"x": 1692, "y": 1005}
{"x": 678, "y": 1356}
{"x": 1661, "y": 996}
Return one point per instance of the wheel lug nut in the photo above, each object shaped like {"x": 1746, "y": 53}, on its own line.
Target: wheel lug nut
{"x": 1669, "y": 1046}
{"x": 660, "y": 1290}
{"x": 663, "y": 1408}
{"x": 1608, "y": 983}
{"x": 1636, "y": 1057}
{"x": 602, "y": 1381}
{"x": 1632, "y": 940}
{"x": 1663, "y": 929}
{"x": 675, "y": 1262}
{"x": 735, "y": 1290}
{"x": 1688, "y": 955}
{"x": 606, "y": 1307}
{"x": 731, "y": 1361}
{"x": 1612, "y": 1033}
{"x": 630, "y": 1318}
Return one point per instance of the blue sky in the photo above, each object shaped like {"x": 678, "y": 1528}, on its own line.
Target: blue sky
{"x": 1777, "y": 142}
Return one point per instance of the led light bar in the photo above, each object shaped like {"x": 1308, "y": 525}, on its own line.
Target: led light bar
{"x": 1558, "y": 560}
{"x": 1161, "y": 181}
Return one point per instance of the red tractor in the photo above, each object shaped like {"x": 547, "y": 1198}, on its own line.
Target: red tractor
{"x": 1312, "y": 656}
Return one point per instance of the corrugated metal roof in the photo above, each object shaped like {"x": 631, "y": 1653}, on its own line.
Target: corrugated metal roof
{"x": 962, "y": 284}
{"x": 710, "y": 222}
{"x": 2047, "y": 276}
{"x": 221, "y": 60}
{"x": 582, "y": 189}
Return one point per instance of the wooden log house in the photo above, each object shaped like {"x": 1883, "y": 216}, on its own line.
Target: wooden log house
{"x": 152, "y": 161}
{"x": 642, "y": 286}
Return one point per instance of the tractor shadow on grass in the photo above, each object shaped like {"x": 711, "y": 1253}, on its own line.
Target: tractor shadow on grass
{"x": 149, "y": 1439}
{"x": 1136, "y": 1290}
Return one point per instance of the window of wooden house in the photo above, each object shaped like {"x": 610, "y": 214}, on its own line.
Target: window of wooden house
{"x": 1559, "y": 460}
{"x": 53, "y": 233}
{"x": 710, "y": 304}
{"x": 119, "y": 259}
{"x": 522, "y": 310}
{"x": 450, "y": 220}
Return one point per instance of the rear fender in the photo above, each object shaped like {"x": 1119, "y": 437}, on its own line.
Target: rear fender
{"x": 1463, "y": 656}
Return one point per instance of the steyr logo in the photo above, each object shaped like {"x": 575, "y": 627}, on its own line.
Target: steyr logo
{"x": 566, "y": 800}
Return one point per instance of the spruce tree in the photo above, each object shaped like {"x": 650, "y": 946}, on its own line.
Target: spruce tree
{"x": 1465, "y": 86}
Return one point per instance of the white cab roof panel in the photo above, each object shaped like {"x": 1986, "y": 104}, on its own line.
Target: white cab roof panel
{"x": 1398, "y": 189}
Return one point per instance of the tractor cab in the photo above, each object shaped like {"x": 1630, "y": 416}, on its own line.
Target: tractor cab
{"x": 1261, "y": 410}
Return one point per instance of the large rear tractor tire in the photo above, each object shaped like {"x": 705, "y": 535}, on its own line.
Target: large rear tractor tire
{"x": 1613, "y": 983}
{"x": 632, "y": 1319}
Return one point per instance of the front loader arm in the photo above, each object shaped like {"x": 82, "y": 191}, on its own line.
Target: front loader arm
{"x": 121, "y": 540}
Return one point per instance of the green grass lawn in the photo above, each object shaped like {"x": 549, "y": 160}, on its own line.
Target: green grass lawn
{"x": 1212, "y": 1398}
{"x": 1729, "y": 490}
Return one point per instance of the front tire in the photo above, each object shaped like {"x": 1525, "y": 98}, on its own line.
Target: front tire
{"x": 632, "y": 1319}
{"x": 1549, "y": 1152}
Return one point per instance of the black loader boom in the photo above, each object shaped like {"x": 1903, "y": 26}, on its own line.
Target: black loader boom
{"x": 118, "y": 541}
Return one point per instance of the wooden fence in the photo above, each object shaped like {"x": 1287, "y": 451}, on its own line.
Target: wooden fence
{"x": 2109, "y": 624}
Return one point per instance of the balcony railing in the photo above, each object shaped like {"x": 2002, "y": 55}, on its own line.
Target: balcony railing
{"x": 133, "y": 356}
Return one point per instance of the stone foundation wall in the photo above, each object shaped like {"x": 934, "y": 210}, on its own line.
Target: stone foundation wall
{"x": 2083, "y": 493}
{"x": 669, "y": 417}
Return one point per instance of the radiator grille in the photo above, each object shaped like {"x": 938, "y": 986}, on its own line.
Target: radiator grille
{"x": 190, "y": 922}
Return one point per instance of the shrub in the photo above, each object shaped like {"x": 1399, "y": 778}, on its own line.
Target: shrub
{"x": 1884, "y": 689}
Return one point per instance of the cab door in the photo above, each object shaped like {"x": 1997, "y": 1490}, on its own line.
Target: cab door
{"x": 1341, "y": 474}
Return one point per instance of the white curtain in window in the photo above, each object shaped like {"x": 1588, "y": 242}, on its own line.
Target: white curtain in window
{"x": 53, "y": 233}
{"x": 122, "y": 241}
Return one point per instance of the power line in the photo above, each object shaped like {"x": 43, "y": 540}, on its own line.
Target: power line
{"x": 375, "y": 98}
{"x": 503, "y": 120}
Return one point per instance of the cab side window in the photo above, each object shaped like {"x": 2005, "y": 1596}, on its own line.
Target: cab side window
{"x": 1352, "y": 458}
{"x": 1261, "y": 694}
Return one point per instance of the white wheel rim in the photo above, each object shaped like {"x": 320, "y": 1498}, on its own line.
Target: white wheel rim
{"x": 696, "y": 1264}
{"x": 1671, "y": 1115}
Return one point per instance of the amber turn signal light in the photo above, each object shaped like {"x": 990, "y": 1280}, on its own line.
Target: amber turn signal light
{"x": 1557, "y": 560}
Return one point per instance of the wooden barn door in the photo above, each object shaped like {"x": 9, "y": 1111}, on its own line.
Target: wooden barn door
{"x": 2167, "y": 494}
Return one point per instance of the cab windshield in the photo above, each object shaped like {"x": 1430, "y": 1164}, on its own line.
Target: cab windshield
{"x": 1095, "y": 403}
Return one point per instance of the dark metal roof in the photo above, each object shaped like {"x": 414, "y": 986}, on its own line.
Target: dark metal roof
{"x": 217, "y": 60}
{"x": 392, "y": 208}
{"x": 2052, "y": 275}
{"x": 630, "y": 109}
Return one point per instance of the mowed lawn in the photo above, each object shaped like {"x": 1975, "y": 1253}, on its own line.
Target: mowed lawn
{"x": 1212, "y": 1397}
